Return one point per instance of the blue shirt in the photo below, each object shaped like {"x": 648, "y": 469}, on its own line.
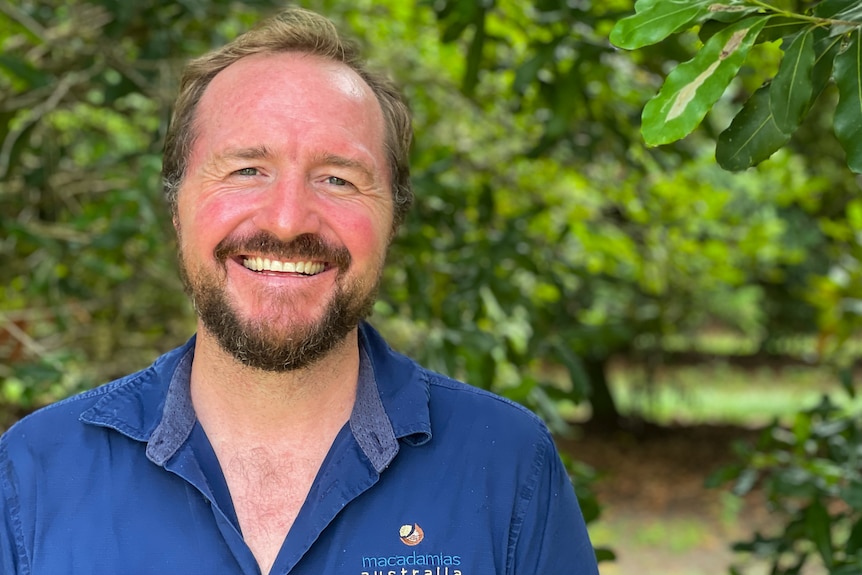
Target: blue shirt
{"x": 429, "y": 477}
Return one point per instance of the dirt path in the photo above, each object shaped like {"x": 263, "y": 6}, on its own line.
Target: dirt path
{"x": 658, "y": 516}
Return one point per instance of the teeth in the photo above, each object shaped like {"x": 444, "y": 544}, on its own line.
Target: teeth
{"x": 259, "y": 264}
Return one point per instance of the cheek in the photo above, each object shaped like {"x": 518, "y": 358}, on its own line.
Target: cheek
{"x": 364, "y": 233}
{"x": 204, "y": 221}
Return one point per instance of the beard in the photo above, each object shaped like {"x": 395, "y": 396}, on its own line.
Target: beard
{"x": 269, "y": 345}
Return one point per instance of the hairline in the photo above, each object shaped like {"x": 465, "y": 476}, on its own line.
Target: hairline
{"x": 300, "y": 31}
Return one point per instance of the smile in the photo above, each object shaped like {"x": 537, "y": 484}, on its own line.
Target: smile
{"x": 258, "y": 264}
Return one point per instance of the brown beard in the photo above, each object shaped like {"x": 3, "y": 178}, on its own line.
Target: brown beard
{"x": 258, "y": 345}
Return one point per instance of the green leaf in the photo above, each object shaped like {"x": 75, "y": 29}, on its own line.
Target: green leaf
{"x": 831, "y": 8}
{"x": 817, "y": 526}
{"x": 590, "y": 510}
{"x": 852, "y": 13}
{"x": 791, "y": 89}
{"x": 730, "y": 12}
{"x": 845, "y": 11}
{"x": 848, "y": 112}
{"x": 845, "y": 376}
{"x": 694, "y": 86}
{"x": 852, "y": 494}
{"x": 474, "y": 55}
{"x": 721, "y": 476}
{"x": 746, "y": 481}
{"x": 581, "y": 386}
{"x": 826, "y": 49}
{"x": 778, "y": 27}
{"x": 710, "y": 28}
{"x": 854, "y": 540}
{"x": 456, "y": 16}
{"x": 781, "y": 27}
{"x": 752, "y": 137}
{"x": 528, "y": 72}
{"x": 655, "y": 20}
{"x": 605, "y": 554}
{"x": 34, "y": 77}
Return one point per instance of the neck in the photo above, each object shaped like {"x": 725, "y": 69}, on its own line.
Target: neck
{"x": 232, "y": 399}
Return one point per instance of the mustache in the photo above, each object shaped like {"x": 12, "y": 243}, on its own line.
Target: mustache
{"x": 302, "y": 247}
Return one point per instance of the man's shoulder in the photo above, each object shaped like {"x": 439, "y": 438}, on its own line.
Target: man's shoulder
{"x": 54, "y": 422}
{"x": 470, "y": 396}
{"x": 447, "y": 398}
{"x": 465, "y": 405}
{"x": 63, "y": 421}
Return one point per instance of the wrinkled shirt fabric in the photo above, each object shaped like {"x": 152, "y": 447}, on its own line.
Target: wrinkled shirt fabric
{"x": 429, "y": 477}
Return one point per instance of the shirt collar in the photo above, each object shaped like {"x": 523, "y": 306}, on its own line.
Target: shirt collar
{"x": 368, "y": 421}
{"x": 391, "y": 403}
{"x": 178, "y": 415}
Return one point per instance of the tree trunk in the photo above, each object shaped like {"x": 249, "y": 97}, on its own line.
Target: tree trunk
{"x": 605, "y": 413}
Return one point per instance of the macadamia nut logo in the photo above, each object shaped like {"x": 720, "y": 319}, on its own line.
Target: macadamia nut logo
{"x": 411, "y": 534}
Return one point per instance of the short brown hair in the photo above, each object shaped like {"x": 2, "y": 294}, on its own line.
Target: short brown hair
{"x": 292, "y": 30}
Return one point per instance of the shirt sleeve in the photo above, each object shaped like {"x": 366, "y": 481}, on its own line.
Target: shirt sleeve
{"x": 11, "y": 540}
{"x": 552, "y": 537}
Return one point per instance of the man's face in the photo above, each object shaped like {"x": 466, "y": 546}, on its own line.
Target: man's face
{"x": 285, "y": 213}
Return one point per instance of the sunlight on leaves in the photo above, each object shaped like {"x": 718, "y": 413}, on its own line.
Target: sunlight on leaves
{"x": 655, "y": 20}
{"x": 693, "y": 87}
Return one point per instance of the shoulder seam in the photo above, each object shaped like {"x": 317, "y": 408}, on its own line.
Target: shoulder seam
{"x": 526, "y": 494}
{"x": 440, "y": 380}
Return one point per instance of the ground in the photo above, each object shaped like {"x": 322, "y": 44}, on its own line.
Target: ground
{"x": 657, "y": 514}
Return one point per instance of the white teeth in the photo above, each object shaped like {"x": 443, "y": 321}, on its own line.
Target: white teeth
{"x": 259, "y": 264}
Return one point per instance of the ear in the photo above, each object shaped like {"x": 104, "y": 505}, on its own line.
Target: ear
{"x": 175, "y": 220}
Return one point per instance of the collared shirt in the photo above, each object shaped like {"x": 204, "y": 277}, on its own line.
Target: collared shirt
{"x": 429, "y": 477}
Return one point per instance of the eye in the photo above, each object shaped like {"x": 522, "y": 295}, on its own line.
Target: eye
{"x": 336, "y": 181}
{"x": 246, "y": 172}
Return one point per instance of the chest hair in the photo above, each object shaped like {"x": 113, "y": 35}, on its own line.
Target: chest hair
{"x": 268, "y": 487}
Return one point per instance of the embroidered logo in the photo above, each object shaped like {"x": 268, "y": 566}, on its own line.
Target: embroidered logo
{"x": 412, "y": 562}
{"x": 411, "y": 534}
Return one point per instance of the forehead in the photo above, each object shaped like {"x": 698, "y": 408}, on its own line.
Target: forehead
{"x": 270, "y": 98}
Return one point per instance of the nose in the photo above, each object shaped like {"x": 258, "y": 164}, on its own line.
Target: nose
{"x": 289, "y": 208}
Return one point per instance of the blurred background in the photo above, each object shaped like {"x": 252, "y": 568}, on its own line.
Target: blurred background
{"x": 689, "y": 334}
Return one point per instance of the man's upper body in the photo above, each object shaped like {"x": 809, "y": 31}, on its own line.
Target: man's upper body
{"x": 428, "y": 476}
{"x": 286, "y": 172}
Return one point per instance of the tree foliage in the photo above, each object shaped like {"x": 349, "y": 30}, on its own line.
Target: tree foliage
{"x": 807, "y": 471}
{"x": 579, "y": 99}
{"x": 821, "y": 43}
{"x": 536, "y": 200}
{"x": 809, "y": 475}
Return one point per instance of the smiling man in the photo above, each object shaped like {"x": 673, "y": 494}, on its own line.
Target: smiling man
{"x": 286, "y": 437}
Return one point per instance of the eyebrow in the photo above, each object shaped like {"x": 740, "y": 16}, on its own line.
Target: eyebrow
{"x": 344, "y": 162}
{"x": 252, "y": 153}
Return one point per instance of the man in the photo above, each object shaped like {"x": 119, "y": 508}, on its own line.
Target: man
{"x": 286, "y": 437}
